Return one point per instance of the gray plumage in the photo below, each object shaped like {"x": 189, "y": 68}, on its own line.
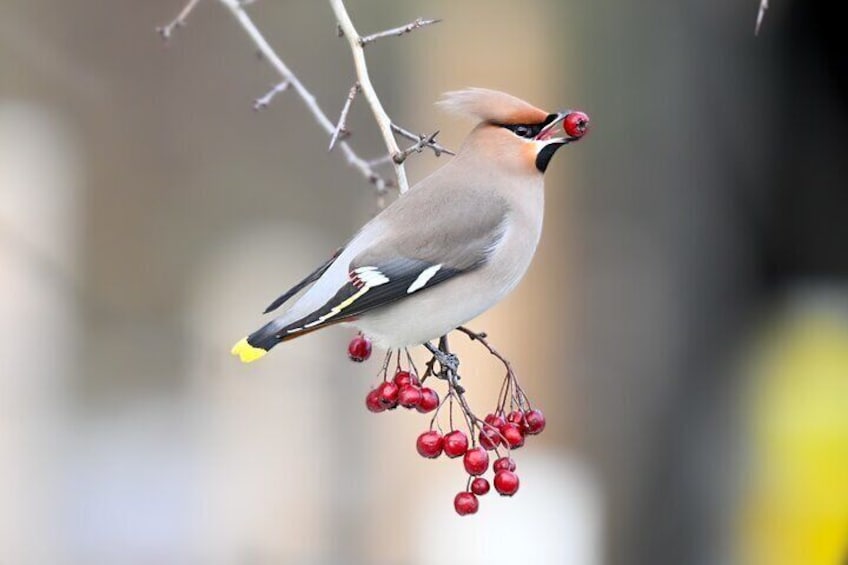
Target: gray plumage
{"x": 450, "y": 248}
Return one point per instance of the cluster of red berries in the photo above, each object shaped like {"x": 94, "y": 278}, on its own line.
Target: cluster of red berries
{"x": 475, "y": 459}
{"x": 403, "y": 390}
{"x": 496, "y": 430}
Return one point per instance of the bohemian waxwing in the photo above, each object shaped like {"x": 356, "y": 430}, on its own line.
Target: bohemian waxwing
{"x": 448, "y": 249}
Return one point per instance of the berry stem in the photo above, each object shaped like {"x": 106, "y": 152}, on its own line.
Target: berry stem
{"x": 385, "y": 369}
{"x": 517, "y": 394}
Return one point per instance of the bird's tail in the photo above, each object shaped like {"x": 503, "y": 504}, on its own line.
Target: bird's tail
{"x": 257, "y": 344}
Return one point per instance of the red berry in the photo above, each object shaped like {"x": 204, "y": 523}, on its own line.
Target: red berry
{"x": 456, "y": 444}
{"x": 504, "y": 464}
{"x": 516, "y": 417}
{"x": 429, "y": 444}
{"x": 359, "y": 349}
{"x": 405, "y": 378}
{"x": 535, "y": 421}
{"x": 465, "y": 503}
{"x": 479, "y": 486}
{"x": 429, "y": 400}
{"x": 372, "y": 401}
{"x": 476, "y": 461}
{"x": 388, "y": 394}
{"x": 409, "y": 396}
{"x": 489, "y": 438}
{"x": 506, "y": 483}
{"x": 513, "y": 436}
{"x": 575, "y": 124}
{"x": 495, "y": 420}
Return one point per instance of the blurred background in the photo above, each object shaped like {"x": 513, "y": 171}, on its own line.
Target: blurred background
{"x": 684, "y": 325}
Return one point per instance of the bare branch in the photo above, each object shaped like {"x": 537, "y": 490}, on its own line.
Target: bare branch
{"x": 431, "y": 144}
{"x": 425, "y": 141}
{"x": 382, "y": 119}
{"x": 180, "y": 21}
{"x": 341, "y": 127}
{"x": 385, "y": 159}
{"x": 397, "y": 31}
{"x": 237, "y": 10}
{"x": 760, "y": 15}
{"x": 263, "y": 101}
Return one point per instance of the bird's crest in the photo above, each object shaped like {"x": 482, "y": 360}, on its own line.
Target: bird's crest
{"x": 491, "y": 106}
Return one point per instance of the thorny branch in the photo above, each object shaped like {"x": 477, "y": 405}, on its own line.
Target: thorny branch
{"x": 341, "y": 127}
{"x": 236, "y": 8}
{"x": 380, "y": 115}
{"x": 397, "y": 31}
{"x": 264, "y": 100}
{"x": 431, "y": 143}
{"x": 337, "y": 131}
{"x": 180, "y": 21}
{"x": 418, "y": 147}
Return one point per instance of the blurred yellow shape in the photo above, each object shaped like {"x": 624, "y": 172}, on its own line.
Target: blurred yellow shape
{"x": 246, "y": 352}
{"x": 795, "y": 511}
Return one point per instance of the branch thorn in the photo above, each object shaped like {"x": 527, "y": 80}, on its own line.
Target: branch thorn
{"x": 265, "y": 100}
{"x": 341, "y": 130}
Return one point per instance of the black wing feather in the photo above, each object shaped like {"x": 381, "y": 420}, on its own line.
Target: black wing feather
{"x": 402, "y": 272}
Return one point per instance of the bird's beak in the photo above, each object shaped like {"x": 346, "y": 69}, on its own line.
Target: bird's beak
{"x": 569, "y": 125}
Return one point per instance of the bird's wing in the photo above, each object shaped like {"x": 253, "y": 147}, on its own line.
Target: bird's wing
{"x": 413, "y": 257}
{"x": 311, "y": 278}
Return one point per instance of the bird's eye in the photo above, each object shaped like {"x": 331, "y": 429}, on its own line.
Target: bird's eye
{"x": 526, "y": 131}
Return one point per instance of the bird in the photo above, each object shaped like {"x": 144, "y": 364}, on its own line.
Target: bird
{"x": 449, "y": 248}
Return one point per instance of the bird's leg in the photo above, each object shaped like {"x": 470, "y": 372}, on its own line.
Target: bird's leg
{"x": 448, "y": 363}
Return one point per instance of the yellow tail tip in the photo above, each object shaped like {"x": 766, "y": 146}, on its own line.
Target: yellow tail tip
{"x": 246, "y": 352}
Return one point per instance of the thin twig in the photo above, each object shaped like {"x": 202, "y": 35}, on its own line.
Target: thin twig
{"x": 341, "y": 126}
{"x": 263, "y": 101}
{"x": 380, "y": 115}
{"x": 180, "y": 21}
{"x": 236, "y": 9}
{"x": 760, "y": 15}
{"x": 437, "y": 148}
{"x": 418, "y": 147}
{"x": 397, "y": 31}
{"x": 511, "y": 380}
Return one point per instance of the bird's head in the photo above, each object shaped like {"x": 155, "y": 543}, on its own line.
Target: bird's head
{"x": 513, "y": 132}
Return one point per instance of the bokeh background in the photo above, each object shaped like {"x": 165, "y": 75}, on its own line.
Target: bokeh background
{"x": 684, "y": 325}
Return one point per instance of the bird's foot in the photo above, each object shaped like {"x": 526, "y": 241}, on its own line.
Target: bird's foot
{"x": 449, "y": 365}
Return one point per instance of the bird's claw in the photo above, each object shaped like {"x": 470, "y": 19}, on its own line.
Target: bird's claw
{"x": 449, "y": 365}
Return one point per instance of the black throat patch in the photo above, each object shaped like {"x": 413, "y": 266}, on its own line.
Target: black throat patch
{"x": 544, "y": 156}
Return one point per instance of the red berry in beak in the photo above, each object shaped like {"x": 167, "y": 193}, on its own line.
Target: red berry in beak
{"x": 575, "y": 124}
